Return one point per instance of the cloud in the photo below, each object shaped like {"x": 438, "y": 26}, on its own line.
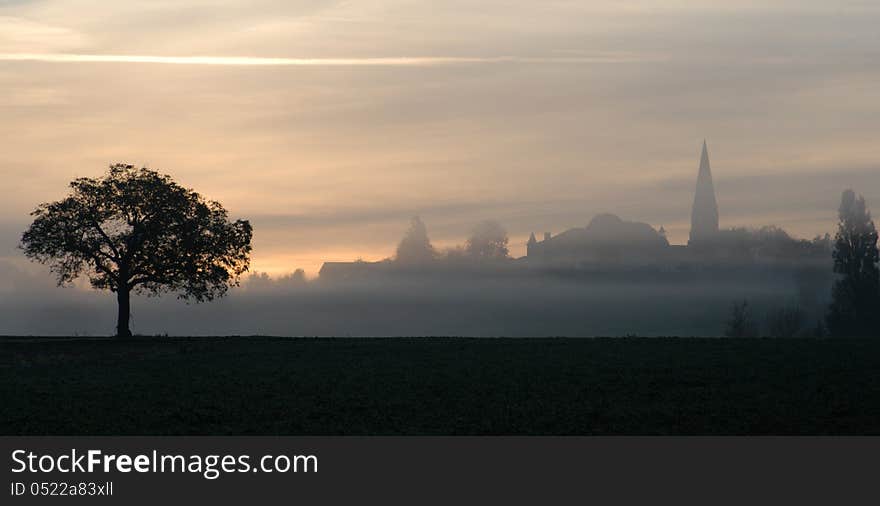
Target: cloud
{"x": 320, "y": 62}
{"x": 19, "y": 34}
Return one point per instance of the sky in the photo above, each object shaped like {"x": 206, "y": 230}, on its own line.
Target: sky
{"x": 329, "y": 124}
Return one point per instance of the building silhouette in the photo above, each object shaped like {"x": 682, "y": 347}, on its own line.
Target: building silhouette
{"x": 609, "y": 238}
{"x": 704, "y": 214}
{"x": 605, "y": 239}
{"x": 610, "y": 243}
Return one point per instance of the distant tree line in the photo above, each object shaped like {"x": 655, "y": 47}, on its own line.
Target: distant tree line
{"x": 854, "y": 310}
{"x": 487, "y": 243}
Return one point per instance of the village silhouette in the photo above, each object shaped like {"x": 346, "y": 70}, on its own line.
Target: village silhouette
{"x": 610, "y": 277}
{"x": 612, "y": 250}
{"x": 610, "y": 242}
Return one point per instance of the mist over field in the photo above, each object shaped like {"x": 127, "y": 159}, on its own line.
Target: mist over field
{"x": 470, "y": 303}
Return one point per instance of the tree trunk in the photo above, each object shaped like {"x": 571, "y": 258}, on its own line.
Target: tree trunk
{"x": 124, "y": 299}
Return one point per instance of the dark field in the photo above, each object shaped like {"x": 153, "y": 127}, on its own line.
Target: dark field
{"x": 439, "y": 386}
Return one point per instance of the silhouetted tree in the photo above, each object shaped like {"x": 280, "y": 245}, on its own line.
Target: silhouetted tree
{"x": 740, "y": 323}
{"x": 785, "y": 322}
{"x": 258, "y": 281}
{"x": 135, "y": 230}
{"x": 298, "y": 276}
{"x": 261, "y": 281}
{"x": 488, "y": 241}
{"x": 453, "y": 255}
{"x": 415, "y": 247}
{"x": 855, "y": 295}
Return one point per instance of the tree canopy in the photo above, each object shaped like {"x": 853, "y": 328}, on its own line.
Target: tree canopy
{"x": 856, "y": 293}
{"x": 415, "y": 247}
{"x": 137, "y": 230}
{"x": 488, "y": 241}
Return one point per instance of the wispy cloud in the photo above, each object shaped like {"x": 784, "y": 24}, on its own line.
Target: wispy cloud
{"x": 18, "y": 34}
{"x": 328, "y": 62}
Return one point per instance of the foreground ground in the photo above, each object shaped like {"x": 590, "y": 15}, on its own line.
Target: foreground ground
{"x": 439, "y": 386}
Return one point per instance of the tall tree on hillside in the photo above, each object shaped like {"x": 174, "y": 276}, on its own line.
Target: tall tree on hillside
{"x": 135, "y": 230}
{"x": 415, "y": 247}
{"x": 488, "y": 242}
{"x": 855, "y": 295}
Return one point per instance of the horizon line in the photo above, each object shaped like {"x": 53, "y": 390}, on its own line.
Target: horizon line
{"x": 394, "y": 61}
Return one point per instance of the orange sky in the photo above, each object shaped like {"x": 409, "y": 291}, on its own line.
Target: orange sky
{"x": 329, "y": 123}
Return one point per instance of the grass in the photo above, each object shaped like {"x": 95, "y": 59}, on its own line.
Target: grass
{"x": 438, "y": 386}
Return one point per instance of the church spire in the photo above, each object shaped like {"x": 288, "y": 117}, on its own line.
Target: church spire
{"x": 704, "y": 215}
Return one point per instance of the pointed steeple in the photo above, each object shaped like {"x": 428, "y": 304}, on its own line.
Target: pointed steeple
{"x": 704, "y": 215}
